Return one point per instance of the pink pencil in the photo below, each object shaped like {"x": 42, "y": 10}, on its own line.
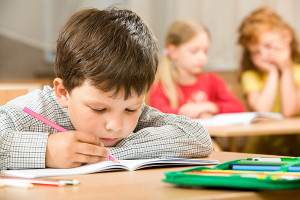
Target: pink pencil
{"x": 55, "y": 126}
{"x": 45, "y": 120}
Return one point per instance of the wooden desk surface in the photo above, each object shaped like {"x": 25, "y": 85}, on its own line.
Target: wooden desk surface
{"x": 142, "y": 185}
{"x": 268, "y": 127}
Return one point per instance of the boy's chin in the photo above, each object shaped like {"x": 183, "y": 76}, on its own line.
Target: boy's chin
{"x": 110, "y": 144}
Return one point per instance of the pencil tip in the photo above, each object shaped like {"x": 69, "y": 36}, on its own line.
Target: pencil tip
{"x": 75, "y": 182}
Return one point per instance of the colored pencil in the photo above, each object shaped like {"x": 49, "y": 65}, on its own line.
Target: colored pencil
{"x": 10, "y": 183}
{"x": 257, "y": 175}
{"x": 263, "y": 168}
{"x": 45, "y": 120}
{"x": 55, "y": 126}
{"x": 269, "y": 159}
{"x": 248, "y": 162}
{"x": 37, "y": 181}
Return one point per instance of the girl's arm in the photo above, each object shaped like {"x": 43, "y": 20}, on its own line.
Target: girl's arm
{"x": 223, "y": 97}
{"x": 160, "y": 101}
{"x": 198, "y": 109}
{"x": 289, "y": 93}
{"x": 263, "y": 101}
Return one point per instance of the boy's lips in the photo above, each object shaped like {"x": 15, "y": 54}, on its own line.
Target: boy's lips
{"x": 110, "y": 139}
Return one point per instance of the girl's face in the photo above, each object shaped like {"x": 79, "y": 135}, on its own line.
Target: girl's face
{"x": 191, "y": 57}
{"x": 270, "y": 44}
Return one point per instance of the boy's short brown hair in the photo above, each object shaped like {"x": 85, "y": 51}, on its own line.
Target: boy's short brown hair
{"x": 112, "y": 49}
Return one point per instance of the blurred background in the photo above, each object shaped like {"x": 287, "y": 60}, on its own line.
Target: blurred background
{"x": 29, "y": 29}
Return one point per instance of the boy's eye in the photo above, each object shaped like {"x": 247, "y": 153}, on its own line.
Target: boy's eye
{"x": 98, "y": 110}
{"x": 128, "y": 110}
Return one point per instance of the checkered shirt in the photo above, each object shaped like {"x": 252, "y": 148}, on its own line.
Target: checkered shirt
{"x": 23, "y": 138}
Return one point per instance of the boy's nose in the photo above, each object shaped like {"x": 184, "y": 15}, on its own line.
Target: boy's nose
{"x": 113, "y": 123}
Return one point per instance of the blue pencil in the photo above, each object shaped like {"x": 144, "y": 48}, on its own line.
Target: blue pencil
{"x": 264, "y": 168}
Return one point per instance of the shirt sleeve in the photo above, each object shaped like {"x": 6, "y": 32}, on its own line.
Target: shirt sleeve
{"x": 224, "y": 98}
{"x": 23, "y": 139}
{"x": 251, "y": 81}
{"x": 20, "y": 149}
{"x": 159, "y": 135}
{"x": 159, "y": 99}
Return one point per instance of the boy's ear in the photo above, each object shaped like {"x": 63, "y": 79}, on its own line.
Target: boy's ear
{"x": 61, "y": 93}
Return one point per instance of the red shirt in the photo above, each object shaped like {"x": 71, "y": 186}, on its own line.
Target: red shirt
{"x": 212, "y": 85}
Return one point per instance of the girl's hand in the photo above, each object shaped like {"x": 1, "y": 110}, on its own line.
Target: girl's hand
{"x": 281, "y": 56}
{"x": 198, "y": 96}
{"x": 190, "y": 110}
{"x": 205, "y": 115}
{"x": 73, "y": 148}
{"x": 265, "y": 66}
{"x": 195, "y": 110}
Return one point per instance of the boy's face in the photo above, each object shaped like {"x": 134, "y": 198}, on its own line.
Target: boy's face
{"x": 99, "y": 113}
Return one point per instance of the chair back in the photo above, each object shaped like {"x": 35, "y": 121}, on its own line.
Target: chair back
{"x": 10, "y": 94}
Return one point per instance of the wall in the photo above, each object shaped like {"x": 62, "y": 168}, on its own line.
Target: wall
{"x": 37, "y": 22}
{"x": 222, "y": 17}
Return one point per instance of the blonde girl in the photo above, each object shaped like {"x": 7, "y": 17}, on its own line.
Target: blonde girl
{"x": 181, "y": 86}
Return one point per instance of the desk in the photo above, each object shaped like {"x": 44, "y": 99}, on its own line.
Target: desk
{"x": 141, "y": 185}
{"x": 265, "y": 127}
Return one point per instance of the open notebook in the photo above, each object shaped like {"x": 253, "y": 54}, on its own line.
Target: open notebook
{"x": 238, "y": 118}
{"x": 129, "y": 165}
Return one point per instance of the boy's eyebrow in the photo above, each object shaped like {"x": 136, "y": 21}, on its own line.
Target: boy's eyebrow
{"x": 90, "y": 103}
{"x": 138, "y": 104}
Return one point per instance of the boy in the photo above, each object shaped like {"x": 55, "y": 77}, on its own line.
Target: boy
{"x": 105, "y": 63}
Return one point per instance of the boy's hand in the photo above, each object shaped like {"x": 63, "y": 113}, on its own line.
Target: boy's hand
{"x": 73, "y": 148}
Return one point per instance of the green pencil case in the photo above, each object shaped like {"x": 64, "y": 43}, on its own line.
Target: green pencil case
{"x": 222, "y": 176}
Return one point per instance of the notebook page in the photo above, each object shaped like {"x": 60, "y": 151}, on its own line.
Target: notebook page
{"x": 85, "y": 169}
{"x": 139, "y": 164}
{"x": 107, "y": 166}
{"x": 228, "y": 119}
